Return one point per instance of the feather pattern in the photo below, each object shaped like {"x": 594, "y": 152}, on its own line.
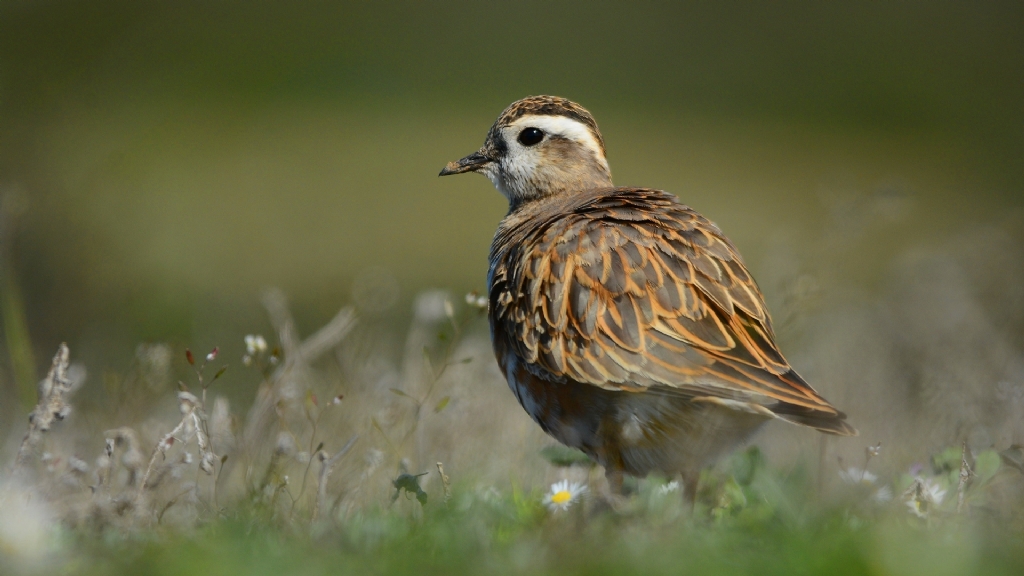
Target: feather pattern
{"x": 625, "y": 289}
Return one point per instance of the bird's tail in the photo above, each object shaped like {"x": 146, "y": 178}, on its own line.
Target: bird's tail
{"x": 827, "y": 422}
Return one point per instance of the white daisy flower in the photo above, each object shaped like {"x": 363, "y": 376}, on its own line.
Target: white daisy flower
{"x": 563, "y": 494}
{"x": 882, "y": 495}
{"x": 923, "y": 495}
{"x": 933, "y": 491}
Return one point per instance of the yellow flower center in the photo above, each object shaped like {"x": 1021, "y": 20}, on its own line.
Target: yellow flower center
{"x": 561, "y": 497}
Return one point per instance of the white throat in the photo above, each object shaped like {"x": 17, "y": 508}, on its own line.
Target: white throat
{"x": 569, "y": 158}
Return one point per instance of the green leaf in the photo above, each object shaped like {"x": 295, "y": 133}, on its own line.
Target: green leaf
{"x": 427, "y": 363}
{"x": 948, "y": 460}
{"x": 745, "y": 465}
{"x": 986, "y": 464}
{"x": 398, "y": 392}
{"x": 220, "y": 372}
{"x": 442, "y": 404}
{"x": 1013, "y": 456}
{"x": 564, "y": 456}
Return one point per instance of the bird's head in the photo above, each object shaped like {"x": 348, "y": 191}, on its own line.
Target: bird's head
{"x": 540, "y": 146}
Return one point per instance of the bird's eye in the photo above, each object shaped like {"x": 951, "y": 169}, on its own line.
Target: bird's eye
{"x": 530, "y": 136}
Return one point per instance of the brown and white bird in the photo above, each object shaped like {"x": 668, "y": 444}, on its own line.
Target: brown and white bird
{"x": 625, "y": 322}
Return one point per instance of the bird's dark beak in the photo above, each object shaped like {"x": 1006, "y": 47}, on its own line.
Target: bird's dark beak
{"x": 471, "y": 163}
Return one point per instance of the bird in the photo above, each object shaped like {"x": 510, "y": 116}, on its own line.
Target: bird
{"x": 626, "y": 324}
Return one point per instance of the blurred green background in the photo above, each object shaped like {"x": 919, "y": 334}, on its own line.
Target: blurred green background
{"x": 161, "y": 163}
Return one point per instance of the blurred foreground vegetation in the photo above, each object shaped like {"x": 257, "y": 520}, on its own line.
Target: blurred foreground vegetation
{"x": 508, "y": 536}
{"x": 281, "y": 490}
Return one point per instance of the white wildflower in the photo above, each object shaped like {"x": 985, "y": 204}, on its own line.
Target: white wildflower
{"x": 923, "y": 495}
{"x": 563, "y": 494}
{"x": 475, "y": 300}
{"x": 934, "y": 492}
{"x": 882, "y": 495}
{"x": 672, "y": 486}
{"x": 255, "y": 344}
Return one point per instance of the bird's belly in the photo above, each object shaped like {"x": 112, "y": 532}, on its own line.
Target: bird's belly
{"x": 656, "y": 430}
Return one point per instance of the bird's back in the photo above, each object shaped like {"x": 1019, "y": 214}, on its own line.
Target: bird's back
{"x": 624, "y": 291}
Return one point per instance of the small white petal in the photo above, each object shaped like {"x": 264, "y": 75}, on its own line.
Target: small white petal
{"x": 563, "y": 494}
{"x": 672, "y": 486}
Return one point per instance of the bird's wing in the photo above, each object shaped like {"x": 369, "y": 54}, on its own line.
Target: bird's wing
{"x": 634, "y": 291}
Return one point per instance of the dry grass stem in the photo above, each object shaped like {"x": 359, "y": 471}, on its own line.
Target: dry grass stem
{"x": 965, "y": 475}
{"x": 283, "y": 383}
{"x": 445, "y": 482}
{"x": 52, "y": 404}
{"x": 327, "y": 465}
{"x": 190, "y": 424}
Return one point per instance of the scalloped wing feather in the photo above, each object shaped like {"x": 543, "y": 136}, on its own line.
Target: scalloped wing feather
{"x": 632, "y": 290}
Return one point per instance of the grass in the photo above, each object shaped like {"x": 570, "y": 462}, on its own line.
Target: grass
{"x": 513, "y": 534}
{"x": 275, "y": 510}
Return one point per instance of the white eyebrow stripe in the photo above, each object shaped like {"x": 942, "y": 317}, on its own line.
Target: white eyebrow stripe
{"x": 561, "y": 126}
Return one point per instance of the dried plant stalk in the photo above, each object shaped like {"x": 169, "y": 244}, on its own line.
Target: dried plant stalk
{"x": 298, "y": 354}
{"x": 326, "y": 467}
{"x": 965, "y": 475}
{"x": 52, "y": 404}
{"x": 190, "y": 424}
{"x": 445, "y": 482}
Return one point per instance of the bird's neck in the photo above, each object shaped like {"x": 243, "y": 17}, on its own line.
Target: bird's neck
{"x": 558, "y": 184}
